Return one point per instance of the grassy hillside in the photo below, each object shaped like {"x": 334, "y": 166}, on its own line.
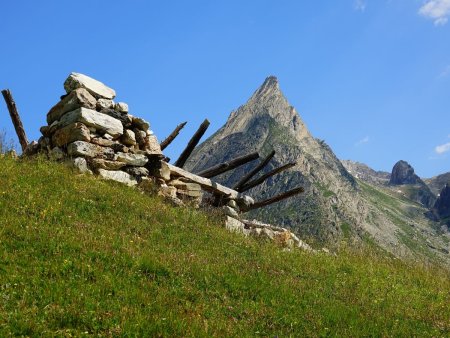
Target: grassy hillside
{"x": 80, "y": 257}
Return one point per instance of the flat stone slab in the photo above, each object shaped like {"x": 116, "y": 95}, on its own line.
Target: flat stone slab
{"x": 81, "y": 148}
{"x": 118, "y": 176}
{"x": 74, "y": 100}
{"x": 71, "y": 133}
{"x": 96, "y": 88}
{"x": 94, "y": 119}
{"x": 137, "y": 160}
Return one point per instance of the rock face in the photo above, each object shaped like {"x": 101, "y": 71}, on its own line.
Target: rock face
{"x": 403, "y": 173}
{"x": 268, "y": 122}
{"x": 437, "y": 183}
{"x": 366, "y": 174}
{"x": 411, "y": 185}
{"x": 442, "y": 205}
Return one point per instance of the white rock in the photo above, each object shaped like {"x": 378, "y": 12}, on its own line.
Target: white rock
{"x": 96, "y": 88}
{"x": 128, "y": 138}
{"x": 132, "y": 159}
{"x": 118, "y": 176}
{"x": 121, "y": 107}
{"x": 230, "y": 212}
{"x": 234, "y": 225}
{"x": 56, "y": 153}
{"x": 91, "y": 118}
{"x": 105, "y": 104}
{"x": 80, "y": 164}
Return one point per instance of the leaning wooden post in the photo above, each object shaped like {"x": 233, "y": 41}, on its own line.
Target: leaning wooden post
{"x": 172, "y": 136}
{"x": 275, "y": 199}
{"x": 227, "y": 166}
{"x": 264, "y": 177}
{"x": 252, "y": 173}
{"x": 18, "y": 126}
{"x": 192, "y": 144}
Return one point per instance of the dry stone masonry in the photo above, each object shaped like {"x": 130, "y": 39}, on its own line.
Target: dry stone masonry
{"x": 96, "y": 135}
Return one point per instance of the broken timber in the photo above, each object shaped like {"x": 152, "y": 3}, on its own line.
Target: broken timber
{"x": 275, "y": 199}
{"x": 18, "y": 126}
{"x": 172, "y": 136}
{"x": 192, "y": 144}
{"x": 209, "y": 185}
{"x": 227, "y": 166}
{"x": 257, "y": 169}
{"x": 264, "y": 177}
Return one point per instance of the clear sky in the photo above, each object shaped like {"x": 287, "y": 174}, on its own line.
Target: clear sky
{"x": 370, "y": 77}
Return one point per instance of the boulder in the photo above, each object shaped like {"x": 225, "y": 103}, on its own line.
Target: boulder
{"x": 140, "y": 123}
{"x": 76, "y": 99}
{"x": 234, "y": 225}
{"x": 118, "y": 176}
{"x": 128, "y": 138}
{"x": 96, "y": 88}
{"x": 132, "y": 159}
{"x": 71, "y": 133}
{"x": 121, "y": 107}
{"x": 81, "y": 148}
{"x": 99, "y": 163}
{"x": 104, "y": 104}
{"x": 79, "y": 164}
{"x": 125, "y": 119}
{"x": 230, "y": 212}
{"x": 91, "y": 118}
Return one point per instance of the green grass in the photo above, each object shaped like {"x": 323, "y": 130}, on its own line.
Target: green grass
{"x": 85, "y": 257}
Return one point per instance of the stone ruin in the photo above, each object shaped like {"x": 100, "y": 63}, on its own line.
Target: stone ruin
{"x": 96, "y": 135}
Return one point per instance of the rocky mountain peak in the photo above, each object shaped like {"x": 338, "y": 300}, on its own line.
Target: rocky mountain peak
{"x": 269, "y": 87}
{"x": 403, "y": 173}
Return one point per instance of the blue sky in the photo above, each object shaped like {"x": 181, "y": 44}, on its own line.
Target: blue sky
{"x": 370, "y": 77}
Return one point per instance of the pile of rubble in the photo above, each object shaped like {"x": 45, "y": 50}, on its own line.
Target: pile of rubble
{"x": 99, "y": 136}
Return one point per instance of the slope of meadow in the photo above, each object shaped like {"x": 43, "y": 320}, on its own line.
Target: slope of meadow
{"x": 81, "y": 256}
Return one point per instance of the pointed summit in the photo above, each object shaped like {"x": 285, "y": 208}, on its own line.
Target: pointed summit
{"x": 270, "y": 85}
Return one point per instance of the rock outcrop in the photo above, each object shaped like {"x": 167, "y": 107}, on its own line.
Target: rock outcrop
{"x": 437, "y": 183}
{"x": 403, "y": 173}
{"x": 410, "y": 185}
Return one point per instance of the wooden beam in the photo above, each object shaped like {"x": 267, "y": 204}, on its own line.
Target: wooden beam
{"x": 192, "y": 144}
{"x": 252, "y": 173}
{"x": 264, "y": 177}
{"x": 172, "y": 136}
{"x": 275, "y": 199}
{"x": 18, "y": 126}
{"x": 227, "y": 166}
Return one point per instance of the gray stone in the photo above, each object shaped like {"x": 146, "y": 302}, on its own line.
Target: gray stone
{"x": 230, "y": 212}
{"x": 118, "y": 176}
{"x": 93, "y": 119}
{"x": 105, "y": 164}
{"x": 125, "y": 119}
{"x": 132, "y": 159}
{"x": 119, "y": 148}
{"x": 151, "y": 145}
{"x": 74, "y": 100}
{"x": 128, "y": 138}
{"x": 81, "y": 148}
{"x": 56, "y": 154}
{"x": 96, "y": 88}
{"x": 180, "y": 185}
{"x": 105, "y": 104}
{"x": 232, "y": 204}
{"x": 160, "y": 169}
{"x": 140, "y": 136}
{"x": 80, "y": 164}
{"x": 244, "y": 201}
{"x": 71, "y": 133}
{"x": 166, "y": 191}
{"x": 121, "y": 107}
{"x": 234, "y": 225}
{"x": 137, "y": 171}
{"x": 102, "y": 141}
{"x": 31, "y": 149}
{"x": 190, "y": 193}
{"x": 140, "y": 123}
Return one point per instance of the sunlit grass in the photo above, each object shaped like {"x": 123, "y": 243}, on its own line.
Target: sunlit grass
{"x": 81, "y": 256}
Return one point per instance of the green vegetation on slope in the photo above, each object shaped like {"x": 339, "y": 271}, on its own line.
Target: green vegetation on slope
{"x": 80, "y": 256}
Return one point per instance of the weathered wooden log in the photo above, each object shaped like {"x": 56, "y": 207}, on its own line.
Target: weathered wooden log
{"x": 172, "y": 136}
{"x": 264, "y": 177}
{"x": 256, "y": 170}
{"x": 227, "y": 166}
{"x": 18, "y": 126}
{"x": 275, "y": 199}
{"x": 192, "y": 144}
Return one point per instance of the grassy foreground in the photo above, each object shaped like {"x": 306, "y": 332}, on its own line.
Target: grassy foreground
{"x": 81, "y": 256}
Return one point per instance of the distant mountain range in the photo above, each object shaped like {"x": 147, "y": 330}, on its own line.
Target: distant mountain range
{"x": 343, "y": 201}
